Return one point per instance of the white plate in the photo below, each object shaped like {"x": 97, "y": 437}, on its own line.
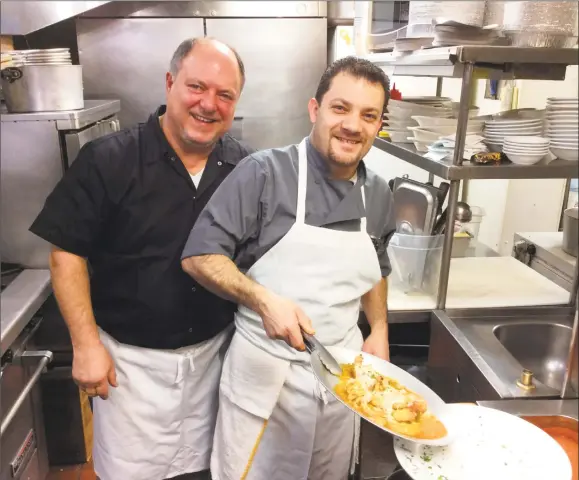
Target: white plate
{"x": 563, "y": 138}
{"x": 527, "y": 140}
{"x": 514, "y": 123}
{"x": 562, "y": 99}
{"x": 493, "y": 445}
{"x": 563, "y": 129}
{"x": 398, "y": 136}
{"x": 512, "y": 130}
{"x": 435, "y": 403}
{"x": 401, "y": 125}
{"x": 427, "y": 122}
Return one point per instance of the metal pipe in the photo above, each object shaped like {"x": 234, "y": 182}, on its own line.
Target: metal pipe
{"x": 447, "y": 245}
{"x": 46, "y": 357}
{"x": 464, "y": 191}
{"x": 570, "y": 382}
{"x": 462, "y": 121}
{"x": 431, "y": 179}
{"x": 438, "y": 86}
{"x": 565, "y": 202}
{"x": 461, "y": 129}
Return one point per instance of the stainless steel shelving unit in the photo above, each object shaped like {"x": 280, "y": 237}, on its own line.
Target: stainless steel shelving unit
{"x": 448, "y": 171}
{"x": 470, "y": 63}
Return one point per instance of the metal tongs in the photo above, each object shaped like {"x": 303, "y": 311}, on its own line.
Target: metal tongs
{"x": 326, "y": 358}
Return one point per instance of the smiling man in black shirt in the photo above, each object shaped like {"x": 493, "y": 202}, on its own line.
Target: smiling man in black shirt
{"x": 148, "y": 340}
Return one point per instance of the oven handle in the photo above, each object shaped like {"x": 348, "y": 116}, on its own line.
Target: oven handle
{"x": 45, "y": 359}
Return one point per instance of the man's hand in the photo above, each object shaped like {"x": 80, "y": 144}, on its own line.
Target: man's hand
{"x": 284, "y": 320}
{"x": 377, "y": 343}
{"x": 93, "y": 370}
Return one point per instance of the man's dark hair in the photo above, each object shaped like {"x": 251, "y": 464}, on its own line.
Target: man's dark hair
{"x": 188, "y": 45}
{"x": 358, "y": 68}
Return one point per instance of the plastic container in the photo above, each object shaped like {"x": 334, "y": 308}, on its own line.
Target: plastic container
{"x": 473, "y": 226}
{"x": 415, "y": 261}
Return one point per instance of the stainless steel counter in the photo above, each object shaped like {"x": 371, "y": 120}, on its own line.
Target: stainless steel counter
{"x": 20, "y": 301}
{"x": 529, "y": 408}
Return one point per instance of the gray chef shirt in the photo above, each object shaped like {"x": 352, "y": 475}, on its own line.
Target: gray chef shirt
{"x": 256, "y": 205}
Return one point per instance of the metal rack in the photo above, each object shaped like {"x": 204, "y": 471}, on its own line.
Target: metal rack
{"x": 469, "y": 63}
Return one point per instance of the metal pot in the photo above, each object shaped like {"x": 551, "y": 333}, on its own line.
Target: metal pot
{"x": 571, "y": 231}
{"x": 42, "y": 88}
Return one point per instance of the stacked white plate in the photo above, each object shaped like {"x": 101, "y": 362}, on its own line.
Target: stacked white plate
{"x": 400, "y": 112}
{"x": 51, "y": 56}
{"x": 496, "y": 130}
{"x": 423, "y": 137}
{"x": 525, "y": 149}
{"x": 562, "y": 127}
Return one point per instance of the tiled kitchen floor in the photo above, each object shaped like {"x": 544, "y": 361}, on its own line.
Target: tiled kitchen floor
{"x": 73, "y": 472}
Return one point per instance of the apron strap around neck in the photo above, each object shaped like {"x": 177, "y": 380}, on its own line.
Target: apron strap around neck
{"x": 363, "y": 219}
{"x": 302, "y": 181}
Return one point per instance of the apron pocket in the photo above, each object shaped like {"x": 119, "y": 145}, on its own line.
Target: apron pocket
{"x": 252, "y": 379}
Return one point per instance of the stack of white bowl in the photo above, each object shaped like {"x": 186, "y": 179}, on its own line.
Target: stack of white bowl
{"x": 431, "y": 129}
{"x": 496, "y": 130}
{"x": 525, "y": 149}
{"x": 400, "y": 112}
{"x": 562, "y": 127}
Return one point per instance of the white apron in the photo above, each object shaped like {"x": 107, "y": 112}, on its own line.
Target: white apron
{"x": 275, "y": 422}
{"x": 159, "y": 422}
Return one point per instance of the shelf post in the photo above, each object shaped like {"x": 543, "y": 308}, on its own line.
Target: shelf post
{"x": 461, "y": 130}
{"x": 574, "y": 286}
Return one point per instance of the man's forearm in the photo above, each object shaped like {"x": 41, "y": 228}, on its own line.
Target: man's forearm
{"x": 374, "y": 306}
{"x": 71, "y": 285}
{"x": 219, "y": 275}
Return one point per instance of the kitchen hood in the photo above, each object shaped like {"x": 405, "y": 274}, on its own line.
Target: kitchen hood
{"x": 23, "y": 17}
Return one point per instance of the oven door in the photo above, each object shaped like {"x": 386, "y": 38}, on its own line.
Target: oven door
{"x": 22, "y": 437}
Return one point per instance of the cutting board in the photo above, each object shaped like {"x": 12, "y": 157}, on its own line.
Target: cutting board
{"x": 486, "y": 282}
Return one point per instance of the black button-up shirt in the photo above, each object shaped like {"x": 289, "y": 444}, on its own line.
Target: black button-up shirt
{"x": 127, "y": 204}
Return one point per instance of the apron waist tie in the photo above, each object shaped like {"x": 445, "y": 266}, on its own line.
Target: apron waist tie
{"x": 186, "y": 361}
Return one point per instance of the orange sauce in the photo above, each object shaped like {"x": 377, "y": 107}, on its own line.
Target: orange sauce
{"x": 426, "y": 427}
{"x": 569, "y": 441}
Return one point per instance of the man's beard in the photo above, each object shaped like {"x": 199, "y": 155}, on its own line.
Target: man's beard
{"x": 350, "y": 162}
{"x": 193, "y": 144}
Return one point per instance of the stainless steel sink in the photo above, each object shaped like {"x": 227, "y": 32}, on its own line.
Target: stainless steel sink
{"x": 541, "y": 348}
{"x": 504, "y": 343}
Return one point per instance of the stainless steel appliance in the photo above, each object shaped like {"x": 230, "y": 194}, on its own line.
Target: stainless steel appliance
{"x": 22, "y": 437}
{"x": 283, "y": 46}
{"x": 543, "y": 252}
{"x": 36, "y": 149}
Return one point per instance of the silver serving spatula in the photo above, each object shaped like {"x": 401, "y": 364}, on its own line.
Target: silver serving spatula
{"x": 314, "y": 346}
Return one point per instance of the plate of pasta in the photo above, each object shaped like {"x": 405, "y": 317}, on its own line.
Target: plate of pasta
{"x": 388, "y": 397}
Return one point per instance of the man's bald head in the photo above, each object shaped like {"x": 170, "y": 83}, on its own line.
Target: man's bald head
{"x": 188, "y": 46}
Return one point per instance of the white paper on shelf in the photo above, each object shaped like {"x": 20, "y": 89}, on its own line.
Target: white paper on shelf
{"x": 483, "y": 282}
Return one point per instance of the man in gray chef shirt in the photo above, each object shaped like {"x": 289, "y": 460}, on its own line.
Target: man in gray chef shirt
{"x": 308, "y": 226}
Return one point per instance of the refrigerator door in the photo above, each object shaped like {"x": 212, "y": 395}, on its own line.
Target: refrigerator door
{"x": 281, "y": 79}
{"x": 75, "y": 140}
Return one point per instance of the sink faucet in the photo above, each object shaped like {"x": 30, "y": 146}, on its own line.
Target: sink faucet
{"x": 570, "y": 383}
